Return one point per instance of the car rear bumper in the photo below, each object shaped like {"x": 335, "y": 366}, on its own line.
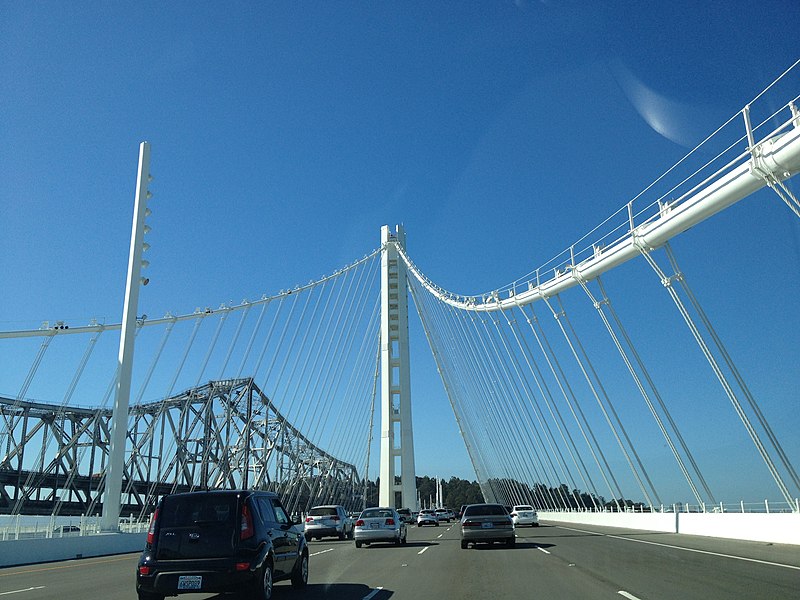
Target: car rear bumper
{"x": 377, "y": 535}
{"x": 322, "y": 531}
{"x": 478, "y": 534}
{"x": 166, "y": 582}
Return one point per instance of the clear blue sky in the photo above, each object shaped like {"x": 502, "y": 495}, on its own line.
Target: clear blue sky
{"x": 284, "y": 134}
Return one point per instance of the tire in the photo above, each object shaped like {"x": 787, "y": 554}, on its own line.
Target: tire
{"x": 351, "y": 534}
{"x": 342, "y": 535}
{"x": 358, "y": 543}
{"x": 149, "y": 595}
{"x": 463, "y": 544}
{"x": 300, "y": 573}
{"x": 263, "y": 589}
{"x": 437, "y": 524}
{"x": 511, "y": 541}
{"x": 309, "y": 537}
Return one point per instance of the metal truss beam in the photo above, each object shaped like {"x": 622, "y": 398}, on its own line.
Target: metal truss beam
{"x": 223, "y": 434}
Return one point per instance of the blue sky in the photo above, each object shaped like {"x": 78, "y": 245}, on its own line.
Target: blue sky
{"x": 285, "y": 134}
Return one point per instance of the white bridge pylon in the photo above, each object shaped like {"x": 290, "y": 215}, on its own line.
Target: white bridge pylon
{"x": 398, "y": 481}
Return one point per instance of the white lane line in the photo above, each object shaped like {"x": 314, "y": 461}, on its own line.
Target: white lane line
{"x": 423, "y": 550}
{"x": 321, "y": 552}
{"x": 439, "y": 536}
{"x": 743, "y": 558}
{"x": 372, "y": 593}
{"x": 30, "y": 589}
{"x": 542, "y": 549}
{"x": 625, "y": 594}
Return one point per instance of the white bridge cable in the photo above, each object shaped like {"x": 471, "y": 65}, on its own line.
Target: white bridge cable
{"x": 422, "y": 301}
{"x": 448, "y": 364}
{"x": 559, "y": 464}
{"x": 481, "y": 404}
{"x": 547, "y": 397}
{"x": 745, "y": 390}
{"x": 604, "y": 402}
{"x": 574, "y": 408}
{"x": 357, "y": 396}
{"x": 604, "y": 305}
{"x": 529, "y": 436}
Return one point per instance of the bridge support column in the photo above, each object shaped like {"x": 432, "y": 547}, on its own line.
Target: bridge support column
{"x": 398, "y": 480}
{"x": 119, "y": 419}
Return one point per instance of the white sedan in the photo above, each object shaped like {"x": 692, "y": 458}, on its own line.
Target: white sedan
{"x": 524, "y": 514}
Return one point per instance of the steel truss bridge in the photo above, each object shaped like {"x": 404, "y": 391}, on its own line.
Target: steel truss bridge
{"x": 222, "y": 434}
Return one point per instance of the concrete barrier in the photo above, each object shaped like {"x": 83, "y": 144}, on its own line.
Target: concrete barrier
{"x": 40, "y": 550}
{"x": 776, "y": 528}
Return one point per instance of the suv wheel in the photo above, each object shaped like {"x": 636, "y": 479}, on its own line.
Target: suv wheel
{"x": 300, "y": 573}
{"x": 264, "y": 586}
{"x": 358, "y": 543}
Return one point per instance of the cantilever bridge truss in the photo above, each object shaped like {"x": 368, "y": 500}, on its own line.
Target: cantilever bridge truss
{"x": 224, "y": 433}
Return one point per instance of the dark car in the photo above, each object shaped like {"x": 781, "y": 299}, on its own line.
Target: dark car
{"x": 221, "y": 541}
{"x": 486, "y": 523}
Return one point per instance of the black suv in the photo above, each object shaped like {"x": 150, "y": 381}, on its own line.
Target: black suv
{"x": 221, "y": 541}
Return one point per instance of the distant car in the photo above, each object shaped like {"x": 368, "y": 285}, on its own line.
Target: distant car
{"x": 442, "y": 514}
{"x": 486, "y": 523}
{"x": 328, "y": 521}
{"x": 427, "y": 517}
{"x": 221, "y": 541}
{"x": 405, "y": 514}
{"x": 524, "y": 514}
{"x": 66, "y": 529}
{"x": 461, "y": 511}
{"x": 381, "y": 524}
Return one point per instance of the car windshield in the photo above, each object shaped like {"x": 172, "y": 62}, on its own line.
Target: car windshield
{"x": 523, "y": 507}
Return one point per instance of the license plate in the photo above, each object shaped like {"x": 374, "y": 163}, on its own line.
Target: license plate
{"x": 375, "y": 526}
{"x": 487, "y": 525}
{"x": 190, "y": 582}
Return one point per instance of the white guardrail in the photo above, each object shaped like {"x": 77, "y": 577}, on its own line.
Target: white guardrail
{"x": 757, "y": 523}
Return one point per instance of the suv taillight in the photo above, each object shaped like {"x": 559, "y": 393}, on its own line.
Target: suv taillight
{"x": 360, "y": 523}
{"x": 152, "y": 530}
{"x": 390, "y": 521}
{"x": 247, "y": 524}
{"x": 309, "y": 519}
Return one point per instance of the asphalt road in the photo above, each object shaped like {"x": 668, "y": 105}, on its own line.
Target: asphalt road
{"x": 548, "y": 562}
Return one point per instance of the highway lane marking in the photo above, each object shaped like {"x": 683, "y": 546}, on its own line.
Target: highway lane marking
{"x": 542, "y": 550}
{"x": 30, "y": 589}
{"x": 67, "y": 565}
{"x": 321, "y": 552}
{"x": 372, "y": 593}
{"x": 743, "y": 558}
{"x": 439, "y": 536}
{"x": 625, "y": 594}
{"x": 423, "y": 550}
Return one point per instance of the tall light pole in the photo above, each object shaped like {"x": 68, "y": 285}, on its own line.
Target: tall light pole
{"x": 119, "y": 419}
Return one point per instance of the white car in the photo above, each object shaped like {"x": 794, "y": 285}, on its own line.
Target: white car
{"x": 427, "y": 517}
{"x": 524, "y": 514}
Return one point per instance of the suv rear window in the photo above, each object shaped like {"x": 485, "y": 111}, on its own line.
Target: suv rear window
{"x": 322, "y": 511}
{"x": 197, "y": 526}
